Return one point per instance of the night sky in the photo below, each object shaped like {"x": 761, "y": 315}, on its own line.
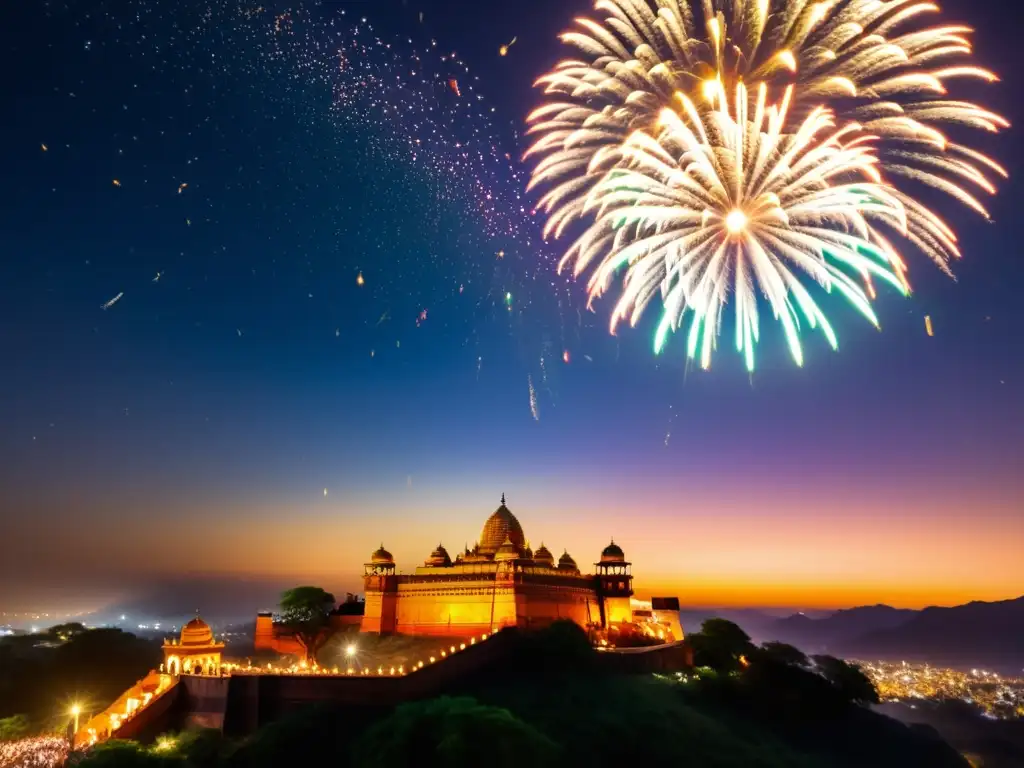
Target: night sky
{"x": 338, "y": 326}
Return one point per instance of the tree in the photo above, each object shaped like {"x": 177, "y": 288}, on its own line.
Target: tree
{"x": 14, "y": 727}
{"x": 782, "y": 653}
{"x": 453, "y": 732}
{"x": 848, "y": 679}
{"x": 64, "y": 631}
{"x": 199, "y": 748}
{"x": 305, "y": 610}
{"x": 721, "y": 645}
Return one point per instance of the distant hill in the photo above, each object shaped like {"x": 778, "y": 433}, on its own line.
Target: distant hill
{"x": 825, "y": 634}
{"x": 976, "y": 633}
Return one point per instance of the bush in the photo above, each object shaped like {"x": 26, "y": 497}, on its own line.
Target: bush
{"x": 454, "y": 733}
{"x": 13, "y": 727}
{"x": 124, "y": 754}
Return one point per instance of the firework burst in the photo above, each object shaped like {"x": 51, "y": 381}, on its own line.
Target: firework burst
{"x": 868, "y": 61}
{"x": 725, "y": 201}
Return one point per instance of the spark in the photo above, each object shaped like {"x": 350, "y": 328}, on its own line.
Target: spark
{"x": 113, "y": 301}
{"x": 534, "y": 408}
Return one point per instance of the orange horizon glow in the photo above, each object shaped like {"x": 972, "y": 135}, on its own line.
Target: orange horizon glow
{"x": 726, "y": 557}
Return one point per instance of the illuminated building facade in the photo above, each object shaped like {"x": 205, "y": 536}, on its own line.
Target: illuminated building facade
{"x": 195, "y": 652}
{"x": 500, "y": 582}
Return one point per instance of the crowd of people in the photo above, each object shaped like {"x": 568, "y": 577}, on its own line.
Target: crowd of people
{"x": 34, "y": 752}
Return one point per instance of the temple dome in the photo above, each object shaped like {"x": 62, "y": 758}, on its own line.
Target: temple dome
{"x": 381, "y": 556}
{"x": 196, "y": 632}
{"x": 566, "y": 563}
{"x": 543, "y": 556}
{"x": 499, "y": 526}
{"x": 613, "y": 554}
{"x": 439, "y": 558}
{"x": 507, "y": 551}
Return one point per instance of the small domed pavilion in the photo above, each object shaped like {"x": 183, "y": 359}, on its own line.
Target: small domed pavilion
{"x": 195, "y": 653}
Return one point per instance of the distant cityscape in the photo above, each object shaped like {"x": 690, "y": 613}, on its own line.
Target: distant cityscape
{"x": 995, "y": 695}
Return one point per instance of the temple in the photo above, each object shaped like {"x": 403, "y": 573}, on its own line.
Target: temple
{"x": 502, "y": 582}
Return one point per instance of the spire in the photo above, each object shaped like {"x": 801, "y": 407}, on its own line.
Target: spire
{"x": 503, "y": 498}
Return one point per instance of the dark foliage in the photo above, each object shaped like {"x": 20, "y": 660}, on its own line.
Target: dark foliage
{"x": 453, "y": 733}
{"x": 322, "y": 735}
{"x": 780, "y": 653}
{"x": 125, "y": 754}
{"x": 93, "y": 667}
{"x": 13, "y": 727}
{"x": 202, "y": 748}
{"x": 848, "y": 679}
{"x": 720, "y": 645}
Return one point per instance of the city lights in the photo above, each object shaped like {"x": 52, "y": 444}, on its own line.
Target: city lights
{"x": 994, "y": 694}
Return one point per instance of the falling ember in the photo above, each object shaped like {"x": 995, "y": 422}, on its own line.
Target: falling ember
{"x": 113, "y": 301}
{"x": 182, "y": 187}
{"x": 454, "y": 85}
{"x": 534, "y": 410}
{"x": 501, "y": 254}
{"x": 928, "y": 325}
{"x": 359, "y": 279}
{"x": 325, "y": 493}
{"x": 503, "y": 50}
{"x": 117, "y": 183}
{"x": 565, "y": 356}
{"x": 44, "y": 147}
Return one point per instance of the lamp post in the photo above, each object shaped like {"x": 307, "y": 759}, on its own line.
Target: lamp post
{"x": 75, "y": 711}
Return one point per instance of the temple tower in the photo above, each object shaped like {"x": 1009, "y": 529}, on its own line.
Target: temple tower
{"x": 381, "y": 590}
{"x": 615, "y": 585}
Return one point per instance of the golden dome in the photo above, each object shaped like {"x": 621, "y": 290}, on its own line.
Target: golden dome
{"x": 507, "y": 551}
{"x": 196, "y": 632}
{"x": 566, "y": 563}
{"x": 543, "y": 556}
{"x": 439, "y": 558}
{"x": 500, "y": 526}
{"x": 381, "y": 556}
{"x": 613, "y": 554}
